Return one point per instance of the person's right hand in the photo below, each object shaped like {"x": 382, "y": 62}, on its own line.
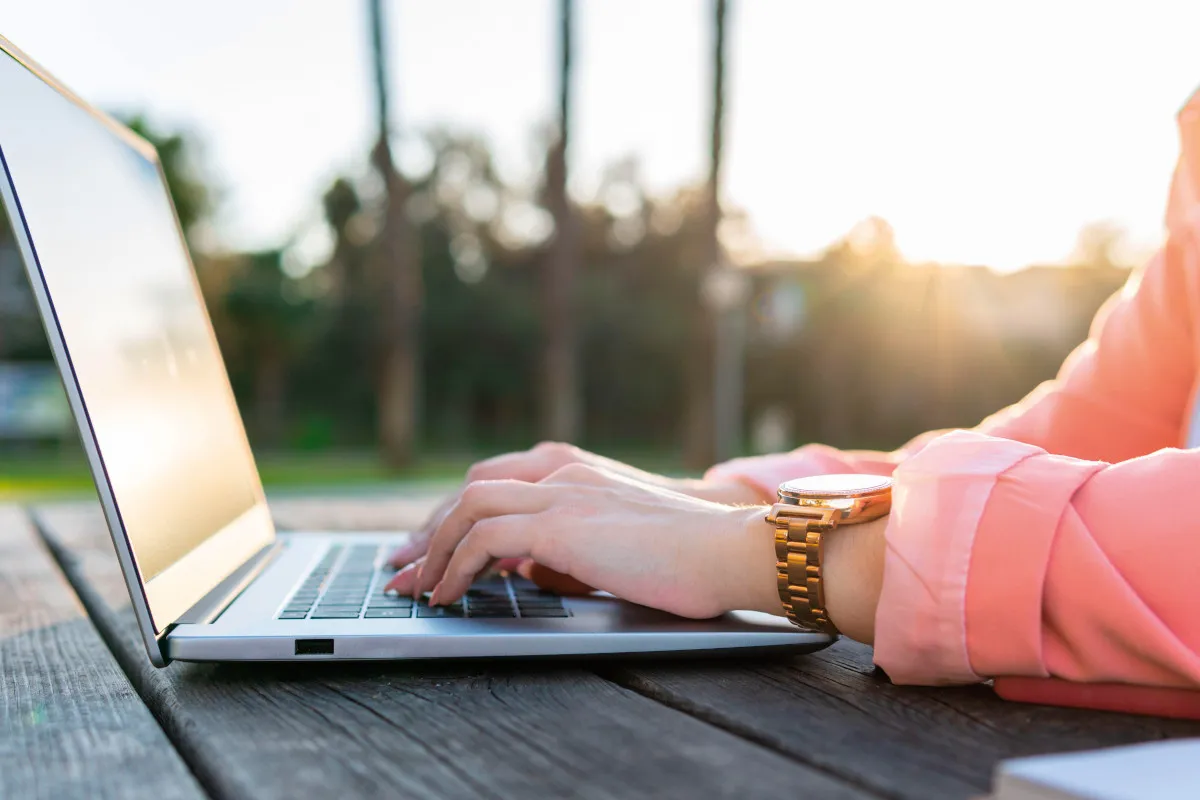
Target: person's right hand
{"x": 543, "y": 460}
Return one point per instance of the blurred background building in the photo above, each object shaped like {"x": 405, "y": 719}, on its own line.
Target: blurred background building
{"x": 671, "y": 232}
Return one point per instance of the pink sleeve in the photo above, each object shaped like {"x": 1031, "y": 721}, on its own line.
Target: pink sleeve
{"x": 1030, "y": 554}
{"x": 1125, "y": 391}
{"x": 1005, "y": 560}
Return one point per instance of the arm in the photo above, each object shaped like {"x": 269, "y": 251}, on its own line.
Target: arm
{"x": 1002, "y": 559}
{"x": 1121, "y": 394}
{"x": 1124, "y": 392}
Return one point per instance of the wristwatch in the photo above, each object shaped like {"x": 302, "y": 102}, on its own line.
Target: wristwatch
{"x": 808, "y": 510}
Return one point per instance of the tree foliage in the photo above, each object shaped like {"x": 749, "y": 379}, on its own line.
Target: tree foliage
{"x": 854, "y": 348}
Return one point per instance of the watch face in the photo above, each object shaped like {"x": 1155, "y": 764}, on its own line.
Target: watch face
{"x": 835, "y": 486}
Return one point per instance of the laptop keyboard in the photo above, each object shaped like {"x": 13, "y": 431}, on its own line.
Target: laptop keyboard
{"x": 347, "y": 583}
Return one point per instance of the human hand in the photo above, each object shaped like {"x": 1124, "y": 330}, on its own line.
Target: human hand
{"x": 641, "y": 542}
{"x": 540, "y": 462}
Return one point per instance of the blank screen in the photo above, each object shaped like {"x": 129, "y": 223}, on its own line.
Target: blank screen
{"x": 137, "y": 333}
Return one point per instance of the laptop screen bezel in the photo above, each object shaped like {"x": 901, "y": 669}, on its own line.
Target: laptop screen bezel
{"x": 162, "y": 600}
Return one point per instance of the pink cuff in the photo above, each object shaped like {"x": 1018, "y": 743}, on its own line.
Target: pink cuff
{"x": 940, "y": 497}
{"x": 1009, "y": 562}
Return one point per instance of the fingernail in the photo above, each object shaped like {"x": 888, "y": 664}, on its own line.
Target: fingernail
{"x": 391, "y": 593}
{"x": 433, "y": 596}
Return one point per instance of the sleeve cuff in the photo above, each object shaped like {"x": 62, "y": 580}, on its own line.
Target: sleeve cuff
{"x": 1005, "y": 590}
{"x": 939, "y": 500}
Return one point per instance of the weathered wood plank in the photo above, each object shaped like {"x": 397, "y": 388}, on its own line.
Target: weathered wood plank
{"x": 836, "y": 711}
{"x": 526, "y": 730}
{"x": 70, "y": 723}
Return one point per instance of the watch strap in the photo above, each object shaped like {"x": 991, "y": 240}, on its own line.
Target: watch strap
{"x": 798, "y": 544}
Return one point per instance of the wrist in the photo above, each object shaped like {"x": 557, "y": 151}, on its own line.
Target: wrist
{"x": 751, "y": 584}
{"x": 852, "y": 577}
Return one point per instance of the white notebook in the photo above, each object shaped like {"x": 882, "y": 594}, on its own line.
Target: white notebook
{"x": 1154, "y": 771}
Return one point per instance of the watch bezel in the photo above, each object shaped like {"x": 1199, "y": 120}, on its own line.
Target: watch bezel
{"x": 796, "y": 490}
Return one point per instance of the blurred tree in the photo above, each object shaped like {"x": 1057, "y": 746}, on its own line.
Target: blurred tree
{"x": 895, "y": 347}
{"x": 560, "y": 401}
{"x": 701, "y": 416}
{"x": 397, "y": 274}
{"x": 270, "y": 319}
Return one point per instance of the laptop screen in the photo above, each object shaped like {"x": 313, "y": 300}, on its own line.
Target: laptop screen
{"x": 127, "y": 306}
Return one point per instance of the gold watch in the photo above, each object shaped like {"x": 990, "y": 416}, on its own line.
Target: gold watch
{"x": 808, "y": 510}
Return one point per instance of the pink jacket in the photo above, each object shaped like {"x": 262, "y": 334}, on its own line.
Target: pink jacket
{"x": 1061, "y": 537}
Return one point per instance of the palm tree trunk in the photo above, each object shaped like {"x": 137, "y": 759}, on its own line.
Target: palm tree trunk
{"x": 397, "y": 267}
{"x": 560, "y": 402}
{"x": 270, "y": 391}
{"x": 700, "y": 449}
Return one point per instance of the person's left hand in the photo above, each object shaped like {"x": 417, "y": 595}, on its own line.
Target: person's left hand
{"x": 642, "y": 543}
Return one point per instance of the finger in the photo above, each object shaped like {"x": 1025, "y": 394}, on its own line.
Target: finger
{"x": 410, "y": 551}
{"x": 552, "y": 580}
{"x": 478, "y": 502}
{"x": 529, "y": 465}
{"x": 418, "y": 540}
{"x": 403, "y": 581}
{"x": 510, "y": 536}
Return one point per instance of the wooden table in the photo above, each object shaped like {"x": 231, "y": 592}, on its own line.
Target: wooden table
{"x": 84, "y": 714}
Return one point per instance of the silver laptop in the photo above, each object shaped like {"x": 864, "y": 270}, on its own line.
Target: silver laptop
{"x": 210, "y": 578}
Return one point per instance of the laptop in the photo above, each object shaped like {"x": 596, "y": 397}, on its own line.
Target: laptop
{"x": 209, "y": 576}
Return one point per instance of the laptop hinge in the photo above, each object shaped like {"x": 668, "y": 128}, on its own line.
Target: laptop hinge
{"x": 208, "y": 607}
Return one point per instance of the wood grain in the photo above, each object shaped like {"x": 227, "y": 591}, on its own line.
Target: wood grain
{"x": 458, "y": 730}
{"x": 70, "y": 723}
{"x": 834, "y": 710}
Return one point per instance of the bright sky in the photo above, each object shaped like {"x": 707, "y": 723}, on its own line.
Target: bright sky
{"x": 984, "y": 136}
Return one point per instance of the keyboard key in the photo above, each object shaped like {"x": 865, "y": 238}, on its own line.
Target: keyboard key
{"x": 347, "y": 578}
{"x": 388, "y": 613}
{"x": 439, "y": 611}
{"x": 390, "y": 602}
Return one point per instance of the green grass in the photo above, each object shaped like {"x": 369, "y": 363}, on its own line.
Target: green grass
{"x": 39, "y": 475}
